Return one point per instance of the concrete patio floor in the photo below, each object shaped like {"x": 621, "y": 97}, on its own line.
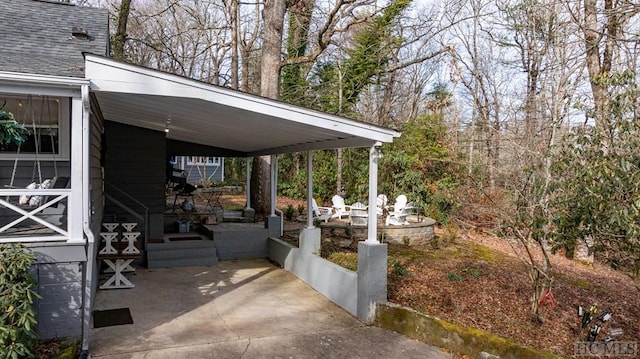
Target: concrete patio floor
{"x": 238, "y": 309}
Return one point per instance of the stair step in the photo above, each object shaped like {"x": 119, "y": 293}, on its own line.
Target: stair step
{"x": 182, "y": 262}
{"x": 185, "y": 253}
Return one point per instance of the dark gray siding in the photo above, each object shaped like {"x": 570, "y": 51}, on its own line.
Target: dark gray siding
{"x": 135, "y": 163}
{"x": 96, "y": 188}
{"x": 59, "y": 274}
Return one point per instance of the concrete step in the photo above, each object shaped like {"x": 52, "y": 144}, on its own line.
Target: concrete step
{"x": 181, "y": 250}
{"x": 181, "y": 253}
{"x": 182, "y": 262}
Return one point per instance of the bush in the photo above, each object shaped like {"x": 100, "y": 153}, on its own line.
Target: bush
{"x": 18, "y": 328}
{"x": 289, "y": 212}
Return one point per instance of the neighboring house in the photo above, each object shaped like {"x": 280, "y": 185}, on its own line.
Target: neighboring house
{"x": 104, "y": 129}
{"x": 200, "y": 170}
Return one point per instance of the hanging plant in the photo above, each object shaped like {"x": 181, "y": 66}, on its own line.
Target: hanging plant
{"x": 10, "y": 130}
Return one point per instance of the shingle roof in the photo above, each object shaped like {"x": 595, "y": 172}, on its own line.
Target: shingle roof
{"x": 36, "y": 36}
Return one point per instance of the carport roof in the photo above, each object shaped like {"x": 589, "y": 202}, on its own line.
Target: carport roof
{"x": 234, "y": 122}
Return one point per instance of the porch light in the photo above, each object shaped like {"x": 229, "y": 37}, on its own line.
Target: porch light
{"x": 377, "y": 151}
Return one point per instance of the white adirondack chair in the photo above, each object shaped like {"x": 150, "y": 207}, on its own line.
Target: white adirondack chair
{"x": 399, "y": 214}
{"x": 358, "y": 215}
{"x": 341, "y": 210}
{"x": 321, "y": 213}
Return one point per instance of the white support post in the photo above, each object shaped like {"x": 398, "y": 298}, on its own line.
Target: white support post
{"x": 274, "y": 183}
{"x": 372, "y": 223}
{"x": 75, "y": 202}
{"x": 248, "y": 184}
{"x": 309, "y": 189}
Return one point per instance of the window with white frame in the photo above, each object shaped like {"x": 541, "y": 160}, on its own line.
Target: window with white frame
{"x": 203, "y": 160}
{"x": 47, "y": 120}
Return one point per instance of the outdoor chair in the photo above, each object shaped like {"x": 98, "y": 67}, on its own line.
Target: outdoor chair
{"x": 399, "y": 214}
{"x": 358, "y": 215}
{"x": 341, "y": 210}
{"x": 321, "y": 213}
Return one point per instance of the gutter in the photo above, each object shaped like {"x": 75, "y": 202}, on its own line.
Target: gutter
{"x": 86, "y": 228}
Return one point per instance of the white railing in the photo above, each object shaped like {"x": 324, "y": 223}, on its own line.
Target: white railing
{"x": 23, "y": 228}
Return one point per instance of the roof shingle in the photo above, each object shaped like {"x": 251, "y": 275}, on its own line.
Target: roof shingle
{"x": 36, "y": 37}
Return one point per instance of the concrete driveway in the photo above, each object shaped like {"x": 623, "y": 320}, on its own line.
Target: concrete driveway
{"x": 238, "y": 309}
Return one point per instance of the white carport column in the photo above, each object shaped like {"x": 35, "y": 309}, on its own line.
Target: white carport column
{"x": 248, "y": 212}
{"x": 310, "y": 237}
{"x": 372, "y": 221}
{"x": 372, "y": 255}
{"x": 274, "y": 183}
{"x": 309, "y": 189}
{"x": 274, "y": 223}
{"x": 248, "y": 184}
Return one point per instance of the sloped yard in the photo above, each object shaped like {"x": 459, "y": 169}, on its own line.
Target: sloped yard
{"x": 478, "y": 282}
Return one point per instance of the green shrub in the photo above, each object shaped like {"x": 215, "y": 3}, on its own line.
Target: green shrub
{"x": 399, "y": 269}
{"x": 18, "y": 327}
{"x": 289, "y": 212}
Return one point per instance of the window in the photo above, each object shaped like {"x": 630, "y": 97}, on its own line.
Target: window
{"x": 200, "y": 160}
{"x": 47, "y": 120}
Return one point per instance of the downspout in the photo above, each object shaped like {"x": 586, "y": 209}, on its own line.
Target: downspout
{"x": 86, "y": 218}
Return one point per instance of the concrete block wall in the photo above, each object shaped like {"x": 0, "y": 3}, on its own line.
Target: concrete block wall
{"x": 338, "y": 284}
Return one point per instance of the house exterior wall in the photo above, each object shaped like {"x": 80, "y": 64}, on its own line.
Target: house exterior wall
{"x": 97, "y": 191}
{"x": 197, "y": 174}
{"x": 135, "y": 163}
{"x": 59, "y": 276}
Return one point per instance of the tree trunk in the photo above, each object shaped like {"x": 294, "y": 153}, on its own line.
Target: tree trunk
{"x": 233, "y": 18}
{"x": 120, "y": 36}
{"x": 273, "y": 19}
{"x": 595, "y": 65}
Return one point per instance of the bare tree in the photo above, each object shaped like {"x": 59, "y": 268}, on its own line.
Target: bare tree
{"x": 117, "y": 44}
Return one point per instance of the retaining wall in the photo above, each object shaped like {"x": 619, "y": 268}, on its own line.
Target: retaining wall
{"x": 433, "y": 331}
{"x": 338, "y": 284}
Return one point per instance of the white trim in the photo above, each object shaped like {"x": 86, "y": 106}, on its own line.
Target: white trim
{"x": 63, "y": 125}
{"x": 76, "y": 205}
{"x": 43, "y": 80}
{"x": 211, "y": 161}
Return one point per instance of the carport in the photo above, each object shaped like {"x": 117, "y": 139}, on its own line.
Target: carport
{"x": 232, "y": 123}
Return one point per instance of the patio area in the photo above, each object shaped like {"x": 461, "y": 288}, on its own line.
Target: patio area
{"x": 237, "y": 309}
